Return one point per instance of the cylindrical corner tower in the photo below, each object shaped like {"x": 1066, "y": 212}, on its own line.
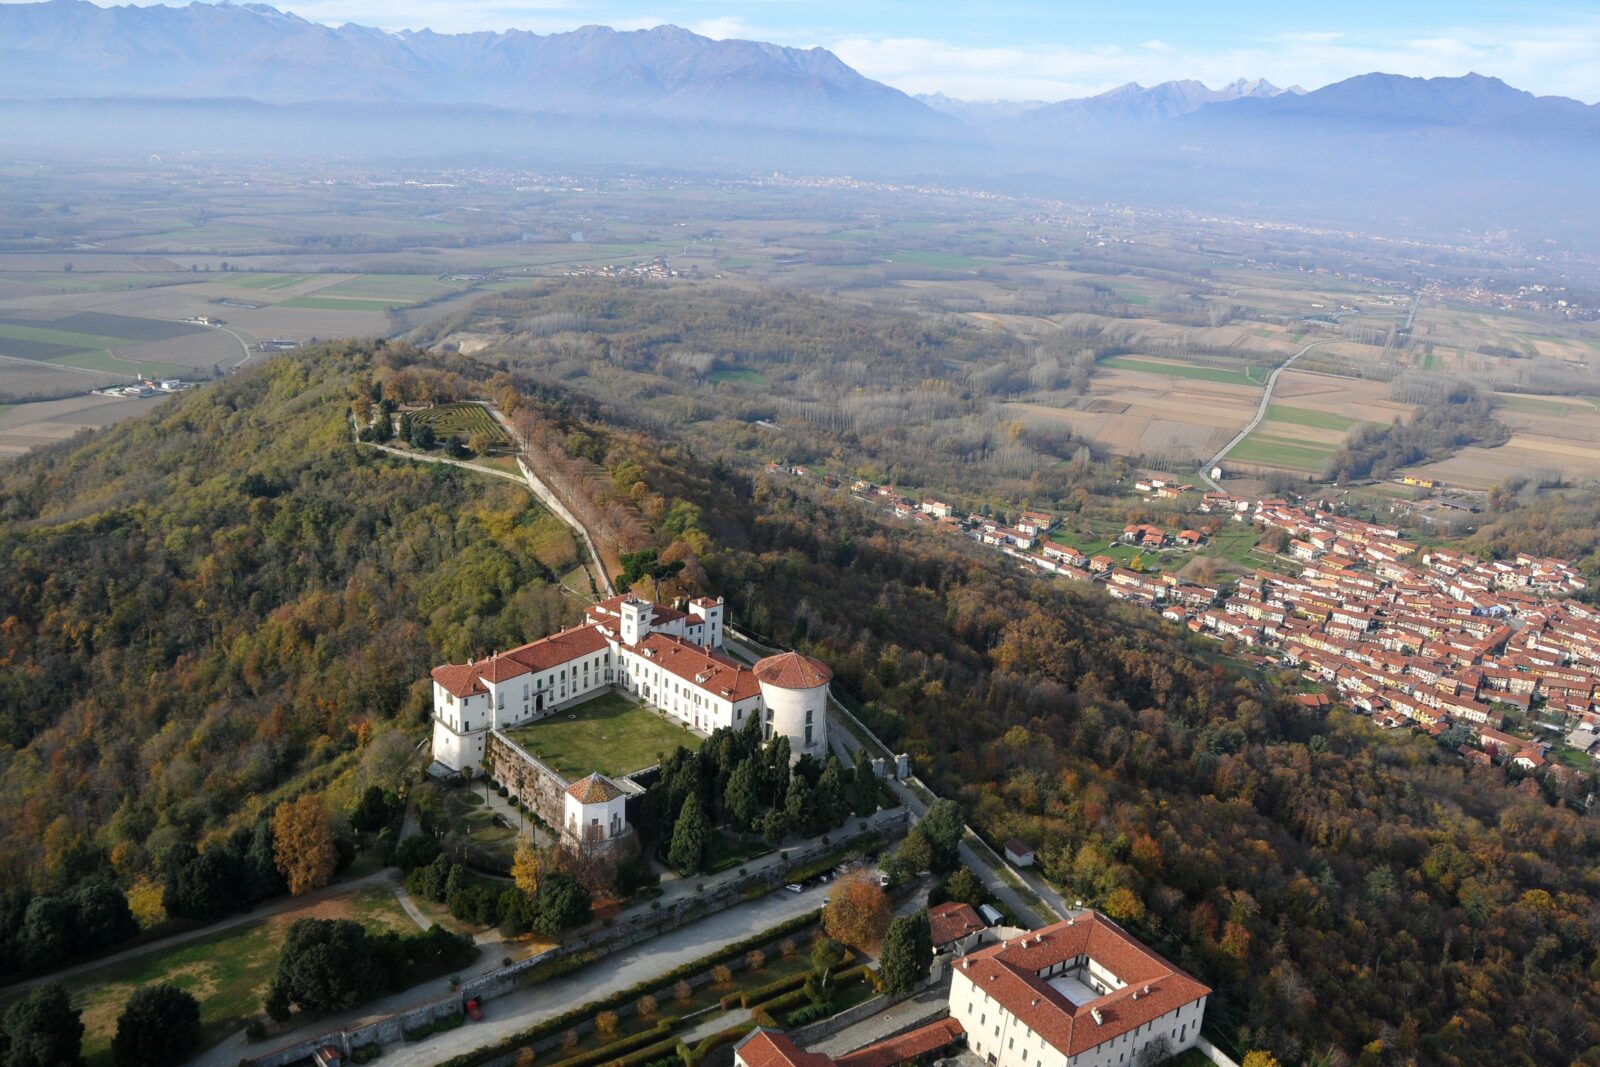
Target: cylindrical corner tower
{"x": 795, "y": 691}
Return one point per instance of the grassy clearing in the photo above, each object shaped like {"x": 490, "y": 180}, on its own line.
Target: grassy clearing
{"x": 610, "y": 734}
{"x": 1321, "y": 420}
{"x": 1234, "y": 543}
{"x": 749, "y": 377}
{"x": 1281, "y": 452}
{"x": 228, "y": 972}
{"x": 1176, "y": 370}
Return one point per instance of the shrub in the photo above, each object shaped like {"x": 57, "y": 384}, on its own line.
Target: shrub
{"x": 810, "y": 1013}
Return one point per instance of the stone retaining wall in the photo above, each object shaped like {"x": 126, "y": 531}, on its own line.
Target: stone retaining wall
{"x": 528, "y": 778}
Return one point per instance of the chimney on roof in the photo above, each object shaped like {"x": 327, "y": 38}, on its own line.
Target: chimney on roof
{"x": 1098, "y": 1018}
{"x": 1146, "y": 991}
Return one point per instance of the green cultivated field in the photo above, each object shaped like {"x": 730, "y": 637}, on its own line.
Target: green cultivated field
{"x": 943, "y": 260}
{"x": 227, "y": 972}
{"x": 334, "y": 303}
{"x": 1282, "y": 452}
{"x": 610, "y": 734}
{"x": 1321, "y": 420}
{"x": 1202, "y": 374}
{"x": 1528, "y": 405}
{"x": 269, "y": 281}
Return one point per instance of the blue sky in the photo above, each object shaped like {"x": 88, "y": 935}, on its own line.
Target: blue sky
{"x": 1025, "y": 49}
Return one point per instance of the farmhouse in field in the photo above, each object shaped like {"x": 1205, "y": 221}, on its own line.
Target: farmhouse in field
{"x": 666, "y": 658}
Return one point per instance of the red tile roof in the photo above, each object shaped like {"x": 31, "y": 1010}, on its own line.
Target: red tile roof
{"x": 791, "y": 670}
{"x": 905, "y": 1047}
{"x": 1008, "y": 972}
{"x": 716, "y": 674}
{"x": 768, "y": 1048}
{"x": 595, "y": 789}
{"x": 952, "y": 921}
{"x": 466, "y": 679}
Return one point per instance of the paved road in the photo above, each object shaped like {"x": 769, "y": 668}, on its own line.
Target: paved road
{"x": 1261, "y": 412}
{"x": 925, "y": 1007}
{"x": 276, "y": 907}
{"x": 518, "y": 1011}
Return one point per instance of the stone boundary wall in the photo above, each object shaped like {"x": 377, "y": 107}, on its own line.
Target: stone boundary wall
{"x": 548, "y": 497}
{"x": 605, "y": 939}
{"x": 542, "y": 788}
{"x": 1213, "y": 1053}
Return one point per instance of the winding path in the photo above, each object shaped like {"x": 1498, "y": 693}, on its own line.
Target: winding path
{"x": 1261, "y": 412}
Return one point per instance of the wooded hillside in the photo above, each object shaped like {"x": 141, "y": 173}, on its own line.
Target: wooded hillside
{"x": 230, "y": 598}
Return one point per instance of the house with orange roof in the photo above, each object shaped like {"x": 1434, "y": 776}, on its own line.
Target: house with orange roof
{"x": 1081, "y": 993}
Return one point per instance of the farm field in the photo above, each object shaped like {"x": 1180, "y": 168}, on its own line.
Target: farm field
{"x": 1171, "y": 421}
{"x": 1288, "y": 453}
{"x": 1549, "y": 435}
{"x": 610, "y": 734}
{"x": 1181, "y": 370}
{"x": 227, "y": 972}
{"x": 27, "y": 426}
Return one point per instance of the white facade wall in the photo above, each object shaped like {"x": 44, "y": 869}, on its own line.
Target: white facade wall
{"x": 599, "y": 822}
{"x": 995, "y": 1036}
{"x": 801, "y": 715}
{"x": 706, "y": 621}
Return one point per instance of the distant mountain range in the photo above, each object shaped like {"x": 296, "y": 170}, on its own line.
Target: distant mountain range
{"x": 72, "y": 48}
{"x": 1131, "y": 103}
{"x": 1467, "y": 151}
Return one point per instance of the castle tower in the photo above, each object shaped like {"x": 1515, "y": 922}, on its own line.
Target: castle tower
{"x": 636, "y": 617}
{"x": 794, "y": 689}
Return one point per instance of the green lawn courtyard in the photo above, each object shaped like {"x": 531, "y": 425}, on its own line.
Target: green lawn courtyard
{"x": 610, "y": 734}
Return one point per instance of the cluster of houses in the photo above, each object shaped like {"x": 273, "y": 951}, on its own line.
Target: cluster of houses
{"x": 1426, "y": 639}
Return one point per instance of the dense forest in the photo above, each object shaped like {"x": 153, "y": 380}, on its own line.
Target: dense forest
{"x": 227, "y": 602}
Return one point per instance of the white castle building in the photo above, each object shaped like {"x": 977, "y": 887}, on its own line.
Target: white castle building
{"x": 669, "y": 659}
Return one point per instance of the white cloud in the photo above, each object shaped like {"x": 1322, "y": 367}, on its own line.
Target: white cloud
{"x": 1565, "y": 63}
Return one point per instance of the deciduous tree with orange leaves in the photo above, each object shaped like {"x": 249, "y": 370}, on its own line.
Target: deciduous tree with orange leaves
{"x": 857, "y": 912}
{"x": 302, "y": 833}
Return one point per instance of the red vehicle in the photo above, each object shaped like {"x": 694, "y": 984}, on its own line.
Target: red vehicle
{"x": 474, "y": 1012}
